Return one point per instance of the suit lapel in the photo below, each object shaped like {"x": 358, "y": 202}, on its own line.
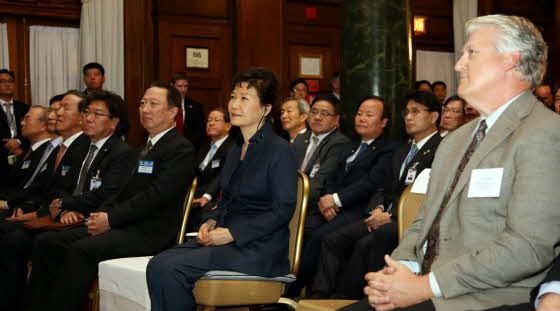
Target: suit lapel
{"x": 105, "y": 149}
{"x": 300, "y": 146}
{"x": 501, "y": 130}
{"x": 317, "y": 151}
{"x": 420, "y": 156}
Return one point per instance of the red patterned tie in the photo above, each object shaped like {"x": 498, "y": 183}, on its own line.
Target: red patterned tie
{"x": 433, "y": 234}
{"x": 179, "y": 122}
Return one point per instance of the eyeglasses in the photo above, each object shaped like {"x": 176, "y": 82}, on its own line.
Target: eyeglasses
{"x": 456, "y": 111}
{"x": 96, "y": 114}
{"x": 323, "y": 114}
{"x": 299, "y": 90}
{"x": 6, "y": 81}
{"x": 413, "y": 112}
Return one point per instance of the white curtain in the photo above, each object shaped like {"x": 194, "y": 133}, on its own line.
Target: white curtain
{"x": 463, "y": 10}
{"x": 434, "y": 66}
{"x": 102, "y": 40}
{"x": 4, "y": 51}
{"x": 54, "y": 62}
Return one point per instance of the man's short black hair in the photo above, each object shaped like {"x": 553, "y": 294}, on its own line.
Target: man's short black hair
{"x": 428, "y": 100}
{"x": 94, "y": 65}
{"x": 81, "y": 95}
{"x": 439, "y": 83}
{"x": 114, "y": 104}
{"x": 331, "y": 99}
{"x": 11, "y": 73}
{"x": 56, "y": 98}
{"x": 419, "y": 83}
{"x": 298, "y": 81}
{"x": 458, "y": 99}
{"x": 173, "y": 96}
{"x": 223, "y": 111}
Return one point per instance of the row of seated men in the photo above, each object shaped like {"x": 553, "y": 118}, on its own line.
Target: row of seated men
{"x": 78, "y": 167}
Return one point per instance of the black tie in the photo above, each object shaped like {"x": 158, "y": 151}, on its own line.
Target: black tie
{"x": 85, "y": 168}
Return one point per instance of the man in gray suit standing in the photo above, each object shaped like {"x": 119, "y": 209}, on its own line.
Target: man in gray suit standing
{"x": 488, "y": 229}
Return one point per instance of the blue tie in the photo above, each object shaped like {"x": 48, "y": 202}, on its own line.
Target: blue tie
{"x": 363, "y": 147}
{"x": 413, "y": 151}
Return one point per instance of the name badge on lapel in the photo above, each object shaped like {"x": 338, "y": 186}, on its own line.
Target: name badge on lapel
{"x": 314, "y": 170}
{"x": 25, "y": 164}
{"x": 411, "y": 175}
{"x": 95, "y": 182}
{"x": 146, "y": 167}
{"x": 64, "y": 170}
{"x": 486, "y": 182}
{"x": 215, "y": 163}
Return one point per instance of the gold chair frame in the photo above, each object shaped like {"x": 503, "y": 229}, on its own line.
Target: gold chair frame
{"x": 409, "y": 205}
{"x": 210, "y": 294}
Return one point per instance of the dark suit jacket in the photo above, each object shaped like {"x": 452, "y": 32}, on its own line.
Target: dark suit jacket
{"x": 365, "y": 175}
{"x": 20, "y": 109}
{"x": 208, "y": 179}
{"x": 112, "y": 166}
{"x": 63, "y": 180}
{"x": 194, "y": 122}
{"x": 325, "y": 155}
{"x": 149, "y": 206}
{"x": 395, "y": 185}
{"x": 258, "y": 200}
{"x": 24, "y": 168}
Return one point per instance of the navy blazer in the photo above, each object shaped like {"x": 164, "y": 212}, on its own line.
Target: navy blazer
{"x": 257, "y": 206}
{"x": 363, "y": 177}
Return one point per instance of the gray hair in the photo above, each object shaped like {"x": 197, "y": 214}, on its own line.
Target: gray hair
{"x": 303, "y": 106}
{"x": 43, "y": 114}
{"x": 517, "y": 34}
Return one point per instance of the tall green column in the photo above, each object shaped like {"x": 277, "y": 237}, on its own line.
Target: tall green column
{"x": 377, "y": 57}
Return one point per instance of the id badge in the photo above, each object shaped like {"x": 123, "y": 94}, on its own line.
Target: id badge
{"x": 25, "y": 165}
{"x": 12, "y": 159}
{"x": 146, "y": 167}
{"x": 314, "y": 170}
{"x": 215, "y": 163}
{"x": 410, "y": 176}
{"x": 65, "y": 169}
{"x": 95, "y": 183}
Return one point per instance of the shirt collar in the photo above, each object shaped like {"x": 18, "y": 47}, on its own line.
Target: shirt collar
{"x": 39, "y": 143}
{"x": 493, "y": 117}
{"x": 221, "y": 141}
{"x": 71, "y": 139}
{"x": 101, "y": 142}
{"x": 322, "y": 136}
{"x": 155, "y": 139}
{"x": 2, "y": 102}
{"x": 424, "y": 140}
{"x": 56, "y": 141}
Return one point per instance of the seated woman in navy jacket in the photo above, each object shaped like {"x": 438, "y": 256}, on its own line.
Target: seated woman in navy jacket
{"x": 248, "y": 232}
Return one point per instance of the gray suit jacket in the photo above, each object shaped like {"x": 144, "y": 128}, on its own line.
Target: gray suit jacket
{"x": 493, "y": 251}
{"x": 325, "y": 156}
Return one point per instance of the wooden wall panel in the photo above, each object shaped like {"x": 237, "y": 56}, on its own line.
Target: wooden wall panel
{"x": 212, "y": 9}
{"x": 439, "y": 25}
{"x": 208, "y": 86}
{"x": 320, "y": 35}
{"x": 59, "y": 9}
{"x": 259, "y": 35}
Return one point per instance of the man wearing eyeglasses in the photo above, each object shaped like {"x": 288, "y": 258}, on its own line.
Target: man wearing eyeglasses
{"x": 453, "y": 115}
{"x": 12, "y": 112}
{"x": 316, "y": 154}
{"x": 209, "y": 162}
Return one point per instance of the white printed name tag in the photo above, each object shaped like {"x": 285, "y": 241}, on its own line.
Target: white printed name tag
{"x": 146, "y": 167}
{"x": 25, "y": 165}
{"x": 486, "y": 183}
{"x": 215, "y": 163}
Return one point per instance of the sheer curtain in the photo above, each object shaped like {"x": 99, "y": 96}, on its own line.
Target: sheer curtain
{"x": 54, "y": 62}
{"x": 434, "y": 66}
{"x": 102, "y": 40}
{"x": 4, "y": 52}
{"x": 463, "y": 10}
